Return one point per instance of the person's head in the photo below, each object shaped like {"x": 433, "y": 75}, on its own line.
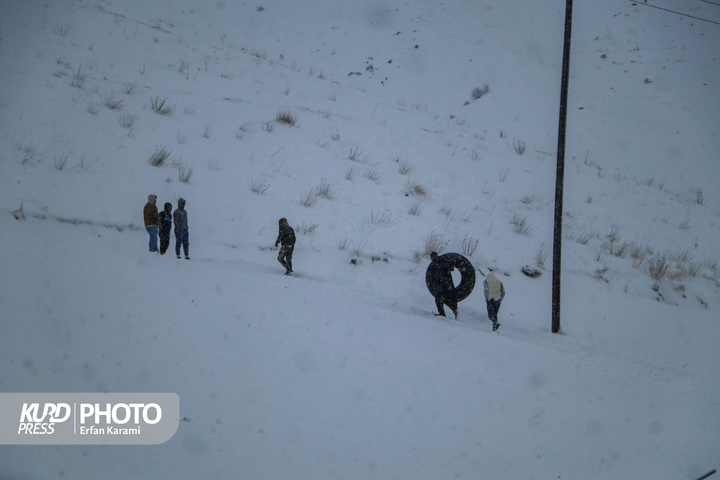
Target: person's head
{"x": 433, "y": 255}
{"x": 168, "y": 207}
{"x": 181, "y": 203}
{"x": 152, "y": 199}
{"x": 282, "y": 221}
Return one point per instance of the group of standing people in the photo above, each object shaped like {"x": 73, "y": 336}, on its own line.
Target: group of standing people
{"x": 160, "y": 224}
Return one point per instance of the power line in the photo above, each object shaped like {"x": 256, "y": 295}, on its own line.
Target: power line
{"x": 708, "y": 1}
{"x": 676, "y": 12}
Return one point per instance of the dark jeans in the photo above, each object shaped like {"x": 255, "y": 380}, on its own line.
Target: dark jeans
{"x": 285, "y": 257}
{"x": 446, "y": 297}
{"x": 493, "y": 307}
{"x": 164, "y": 240}
{"x": 182, "y": 237}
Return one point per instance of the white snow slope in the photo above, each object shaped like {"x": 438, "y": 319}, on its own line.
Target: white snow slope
{"x": 342, "y": 372}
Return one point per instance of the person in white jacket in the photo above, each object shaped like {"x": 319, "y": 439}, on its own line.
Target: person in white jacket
{"x": 494, "y": 294}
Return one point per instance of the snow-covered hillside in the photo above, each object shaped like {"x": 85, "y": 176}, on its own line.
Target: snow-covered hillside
{"x": 409, "y": 126}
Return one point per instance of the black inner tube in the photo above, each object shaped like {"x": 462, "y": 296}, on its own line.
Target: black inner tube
{"x": 438, "y": 277}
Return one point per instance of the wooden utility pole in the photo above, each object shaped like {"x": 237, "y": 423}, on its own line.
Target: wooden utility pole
{"x": 560, "y": 174}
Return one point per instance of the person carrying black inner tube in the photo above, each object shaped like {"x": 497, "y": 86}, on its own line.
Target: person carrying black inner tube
{"x": 443, "y": 289}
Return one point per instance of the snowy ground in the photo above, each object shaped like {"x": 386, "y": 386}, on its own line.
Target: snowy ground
{"x": 342, "y": 372}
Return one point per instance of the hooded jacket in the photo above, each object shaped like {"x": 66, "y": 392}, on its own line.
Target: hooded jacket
{"x": 286, "y": 235}
{"x": 150, "y": 212}
{"x": 494, "y": 289}
{"x": 180, "y": 216}
{"x": 166, "y": 219}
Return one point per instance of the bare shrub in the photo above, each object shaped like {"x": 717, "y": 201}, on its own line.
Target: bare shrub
{"x": 382, "y": 218}
{"x": 93, "y": 109}
{"x": 404, "y": 168}
{"x": 699, "y": 197}
{"x": 259, "y": 54}
{"x": 474, "y": 154}
{"x": 350, "y": 174}
{"x": 529, "y": 199}
{"x": 60, "y": 162}
{"x": 161, "y": 105}
{"x": 19, "y": 214}
{"x": 79, "y": 77}
{"x": 128, "y": 120}
{"x": 307, "y": 228}
{"x": 63, "y": 63}
{"x": 309, "y": 198}
{"x": 190, "y": 109}
{"x": 184, "y": 172}
{"x": 583, "y": 238}
{"x": 541, "y": 255}
{"x": 479, "y": 92}
{"x": 286, "y": 117}
{"x": 519, "y": 147}
{"x": 28, "y": 151}
{"x": 502, "y": 176}
{"x": 681, "y": 256}
{"x": 268, "y": 126}
{"x": 415, "y": 209}
{"x": 372, "y": 175}
{"x": 415, "y": 189}
{"x": 342, "y": 243}
{"x": 356, "y": 155}
{"x": 688, "y": 270}
{"x": 520, "y": 225}
{"x": 258, "y": 185}
{"x": 657, "y": 268}
{"x": 62, "y": 30}
{"x": 435, "y": 242}
{"x": 601, "y": 271}
{"x": 184, "y": 68}
{"x": 83, "y": 164}
{"x": 207, "y": 131}
{"x": 638, "y": 254}
{"x": 616, "y": 248}
{"x": 468, "y": 245}
{"x": 242, "y": 130}
{"x": 324, "y": 189}
{"x": 159, "y": 156}
{"x": 111, "y": 101}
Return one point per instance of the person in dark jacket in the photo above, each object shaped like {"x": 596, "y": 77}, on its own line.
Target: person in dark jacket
{"x": 182, "y": 236}
{"x": 286, "y": 238}
{"x": 150, "y": 216}
{"x": 165, "y": 228}
{"x": 442, "y": 286}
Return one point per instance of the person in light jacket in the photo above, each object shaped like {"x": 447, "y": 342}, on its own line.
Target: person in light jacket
{"x": 494, "y": 294}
